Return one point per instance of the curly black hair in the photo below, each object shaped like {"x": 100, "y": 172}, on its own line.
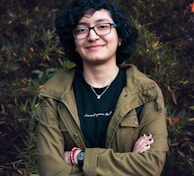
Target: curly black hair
{"x": 70, "y": 15}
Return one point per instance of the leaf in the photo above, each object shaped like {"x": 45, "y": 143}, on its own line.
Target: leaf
{"x": 191, "y": 107}
{"x": 174, "y": 97}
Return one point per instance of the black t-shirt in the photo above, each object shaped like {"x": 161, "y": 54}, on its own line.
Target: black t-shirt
{"x": 95, "y": 114}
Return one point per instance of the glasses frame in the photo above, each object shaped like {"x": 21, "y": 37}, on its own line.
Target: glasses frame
{"x": 93, "y": 28}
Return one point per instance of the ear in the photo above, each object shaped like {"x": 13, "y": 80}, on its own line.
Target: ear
{"x": 120, "y": 41}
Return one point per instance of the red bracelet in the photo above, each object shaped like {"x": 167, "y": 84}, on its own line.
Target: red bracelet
{"x": 72, "y": 156}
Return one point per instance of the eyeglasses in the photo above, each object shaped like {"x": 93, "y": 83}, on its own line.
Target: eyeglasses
{"x": 81, "y": 32}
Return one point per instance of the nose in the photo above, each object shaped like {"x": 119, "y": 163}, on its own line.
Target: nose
{"x": 92, "y": 35}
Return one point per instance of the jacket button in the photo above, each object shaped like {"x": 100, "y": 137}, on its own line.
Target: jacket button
{"x": 75, "y": 135}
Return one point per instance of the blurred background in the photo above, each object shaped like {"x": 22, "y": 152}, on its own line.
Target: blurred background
{"x": 30, "y": 53}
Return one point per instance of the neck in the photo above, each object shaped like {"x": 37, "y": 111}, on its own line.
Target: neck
{"x": 101, "y": 75}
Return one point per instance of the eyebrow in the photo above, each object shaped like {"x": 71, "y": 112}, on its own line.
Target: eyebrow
{"x": 97, "y": 21}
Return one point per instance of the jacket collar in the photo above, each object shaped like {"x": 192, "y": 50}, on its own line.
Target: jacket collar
{"x": 59, "y": 85}
{"x": 138, "y": 86}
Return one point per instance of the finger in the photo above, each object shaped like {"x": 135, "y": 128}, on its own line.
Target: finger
{"x": 140, "y": 143}
{"x": 143, "y": 140}
{"x": 151, "y": 141}
{"x": 143, "y": 149}
{"x": 143, "y": 143}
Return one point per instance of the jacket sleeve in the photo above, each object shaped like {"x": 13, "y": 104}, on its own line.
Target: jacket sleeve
{"x": 51, "y": 144}
{"x": 108, "y": 162}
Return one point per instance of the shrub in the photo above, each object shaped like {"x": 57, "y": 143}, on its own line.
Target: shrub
{"x": 31, "y": 54}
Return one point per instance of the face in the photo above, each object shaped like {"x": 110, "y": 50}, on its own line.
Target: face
{"x": 95, "y": 49}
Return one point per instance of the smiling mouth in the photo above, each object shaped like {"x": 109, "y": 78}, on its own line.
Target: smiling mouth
{"x": 95, "y": 47}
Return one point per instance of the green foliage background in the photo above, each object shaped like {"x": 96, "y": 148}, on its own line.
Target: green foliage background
{"x": 30, "y": 54}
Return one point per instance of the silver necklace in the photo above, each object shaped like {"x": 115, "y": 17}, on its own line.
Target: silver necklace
{"x": 97, "y": 95}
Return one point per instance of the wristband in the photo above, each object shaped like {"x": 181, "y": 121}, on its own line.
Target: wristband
{"x": 74, "y": 151}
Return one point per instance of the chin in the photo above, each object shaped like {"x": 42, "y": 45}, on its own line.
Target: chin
{"x": 96, "y": 61}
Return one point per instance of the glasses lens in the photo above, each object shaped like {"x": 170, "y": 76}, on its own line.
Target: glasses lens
{"x": 102, "y": 29}
{"x": 80, "y": 32}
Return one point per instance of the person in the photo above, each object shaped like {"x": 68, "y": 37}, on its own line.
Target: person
{"x": 102, "y": 117}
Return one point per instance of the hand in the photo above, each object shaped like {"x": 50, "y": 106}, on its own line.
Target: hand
{"x": 67, "y": 157}
{"x": 70, "y": 157}
{"x": 143, "y": 143}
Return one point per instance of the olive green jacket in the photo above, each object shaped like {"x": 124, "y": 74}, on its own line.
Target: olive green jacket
{"x": 59, "y": 130}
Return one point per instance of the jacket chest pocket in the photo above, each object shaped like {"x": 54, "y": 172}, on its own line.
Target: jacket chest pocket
{"x": 127, "y": 132}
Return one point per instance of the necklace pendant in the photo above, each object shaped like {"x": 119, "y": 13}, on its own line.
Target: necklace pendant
{"x": 99, "y": 96}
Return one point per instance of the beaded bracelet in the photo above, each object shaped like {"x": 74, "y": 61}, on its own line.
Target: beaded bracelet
{"x": 72, "y": 156}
